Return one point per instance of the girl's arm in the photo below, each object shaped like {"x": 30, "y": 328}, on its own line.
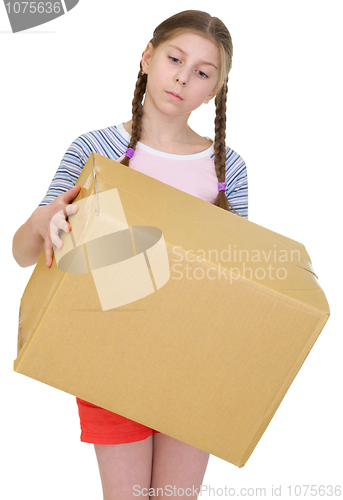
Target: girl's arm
{"x": 41, "y": 229}
{"x": 237, "y": 182}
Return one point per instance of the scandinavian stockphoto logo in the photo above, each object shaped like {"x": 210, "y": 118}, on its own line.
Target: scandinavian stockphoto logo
{"x": 25, "y": 15}
{"x": 125, "y": 267}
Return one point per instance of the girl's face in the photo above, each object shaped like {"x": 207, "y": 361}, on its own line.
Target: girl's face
{"x": 182, "y": 73}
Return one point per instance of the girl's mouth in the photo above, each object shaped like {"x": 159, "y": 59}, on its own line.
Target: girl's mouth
{"x": 174, "y": 97}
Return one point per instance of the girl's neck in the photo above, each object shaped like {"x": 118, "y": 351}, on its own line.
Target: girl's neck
{"x": 170, "y": 136}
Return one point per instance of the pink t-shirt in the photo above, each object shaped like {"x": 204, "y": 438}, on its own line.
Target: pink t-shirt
{"x": 194, "y": 174}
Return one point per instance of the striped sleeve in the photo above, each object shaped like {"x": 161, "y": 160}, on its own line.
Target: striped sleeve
{"x": 67, "y": 173}
{"x": 236, "y": 182}
{"x": 107, "y": 142}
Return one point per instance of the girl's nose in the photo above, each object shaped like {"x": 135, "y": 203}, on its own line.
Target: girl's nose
{"x": 180, "y": 80}
{"x": 182, "y": 76}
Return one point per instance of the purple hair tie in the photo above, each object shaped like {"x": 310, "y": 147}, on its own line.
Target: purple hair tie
{"x": 129, "y": 153}
{"x": 221, "y": 186}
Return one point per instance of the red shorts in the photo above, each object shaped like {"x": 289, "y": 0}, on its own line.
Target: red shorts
{"x": 100, "y": 426}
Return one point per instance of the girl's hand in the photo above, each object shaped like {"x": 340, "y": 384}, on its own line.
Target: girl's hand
{"x": 59, "y": 222}
{"x": 48, "y": 220}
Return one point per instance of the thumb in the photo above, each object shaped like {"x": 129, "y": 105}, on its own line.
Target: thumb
{"x": 68, "y": 196}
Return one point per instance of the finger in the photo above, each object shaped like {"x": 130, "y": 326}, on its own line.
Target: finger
{"x": 48, "y": 253}
{"x": 68, "y": 196}
{"x": 62, "y": 201}
{"x": 71, "y": 209}
{"x": 60, "y": 224}
{"x": 64, "y": 211}
{"x": 59, "y": 219}
{"x": 57, "y": 241}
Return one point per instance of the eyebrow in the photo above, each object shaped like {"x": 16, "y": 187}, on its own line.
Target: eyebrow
{"x": 185, "y": 53}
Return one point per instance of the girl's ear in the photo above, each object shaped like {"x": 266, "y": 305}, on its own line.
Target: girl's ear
{"x": 146, "y": 57}
{"x": 209, "y": 98}
{"x": 213, "y": 93}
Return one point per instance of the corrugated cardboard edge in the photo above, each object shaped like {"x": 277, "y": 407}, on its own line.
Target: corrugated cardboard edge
{"x": 26, "y": 347}
{"x": 316, "y": 310}
{"x": 283, "y": 389}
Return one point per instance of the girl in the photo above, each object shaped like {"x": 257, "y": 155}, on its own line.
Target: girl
{"x": 185, "y": 64}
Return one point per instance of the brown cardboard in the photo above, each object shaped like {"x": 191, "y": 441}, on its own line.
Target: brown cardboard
{"x": 208, "y": 352}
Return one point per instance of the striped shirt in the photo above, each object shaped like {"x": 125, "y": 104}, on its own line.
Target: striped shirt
{"x": 112, "y": 143}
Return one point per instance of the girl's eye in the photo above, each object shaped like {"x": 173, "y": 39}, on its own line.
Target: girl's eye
{"x": 176, "y": 60}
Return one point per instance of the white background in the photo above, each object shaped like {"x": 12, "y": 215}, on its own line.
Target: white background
{"x": 76, "y": 74}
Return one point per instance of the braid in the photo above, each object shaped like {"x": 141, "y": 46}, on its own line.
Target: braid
{"x": 137, "y": 113}
{"x": 219, "y": 145}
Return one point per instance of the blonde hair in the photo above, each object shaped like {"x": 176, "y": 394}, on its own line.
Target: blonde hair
{"x": 214, "y": 29}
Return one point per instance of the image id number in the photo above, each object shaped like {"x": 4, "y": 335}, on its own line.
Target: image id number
{"x": 314, "y": 490}
{"x": 34, "y": 7}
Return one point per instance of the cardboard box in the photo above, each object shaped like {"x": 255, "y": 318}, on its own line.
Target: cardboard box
{"x": 171, "y": 311}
